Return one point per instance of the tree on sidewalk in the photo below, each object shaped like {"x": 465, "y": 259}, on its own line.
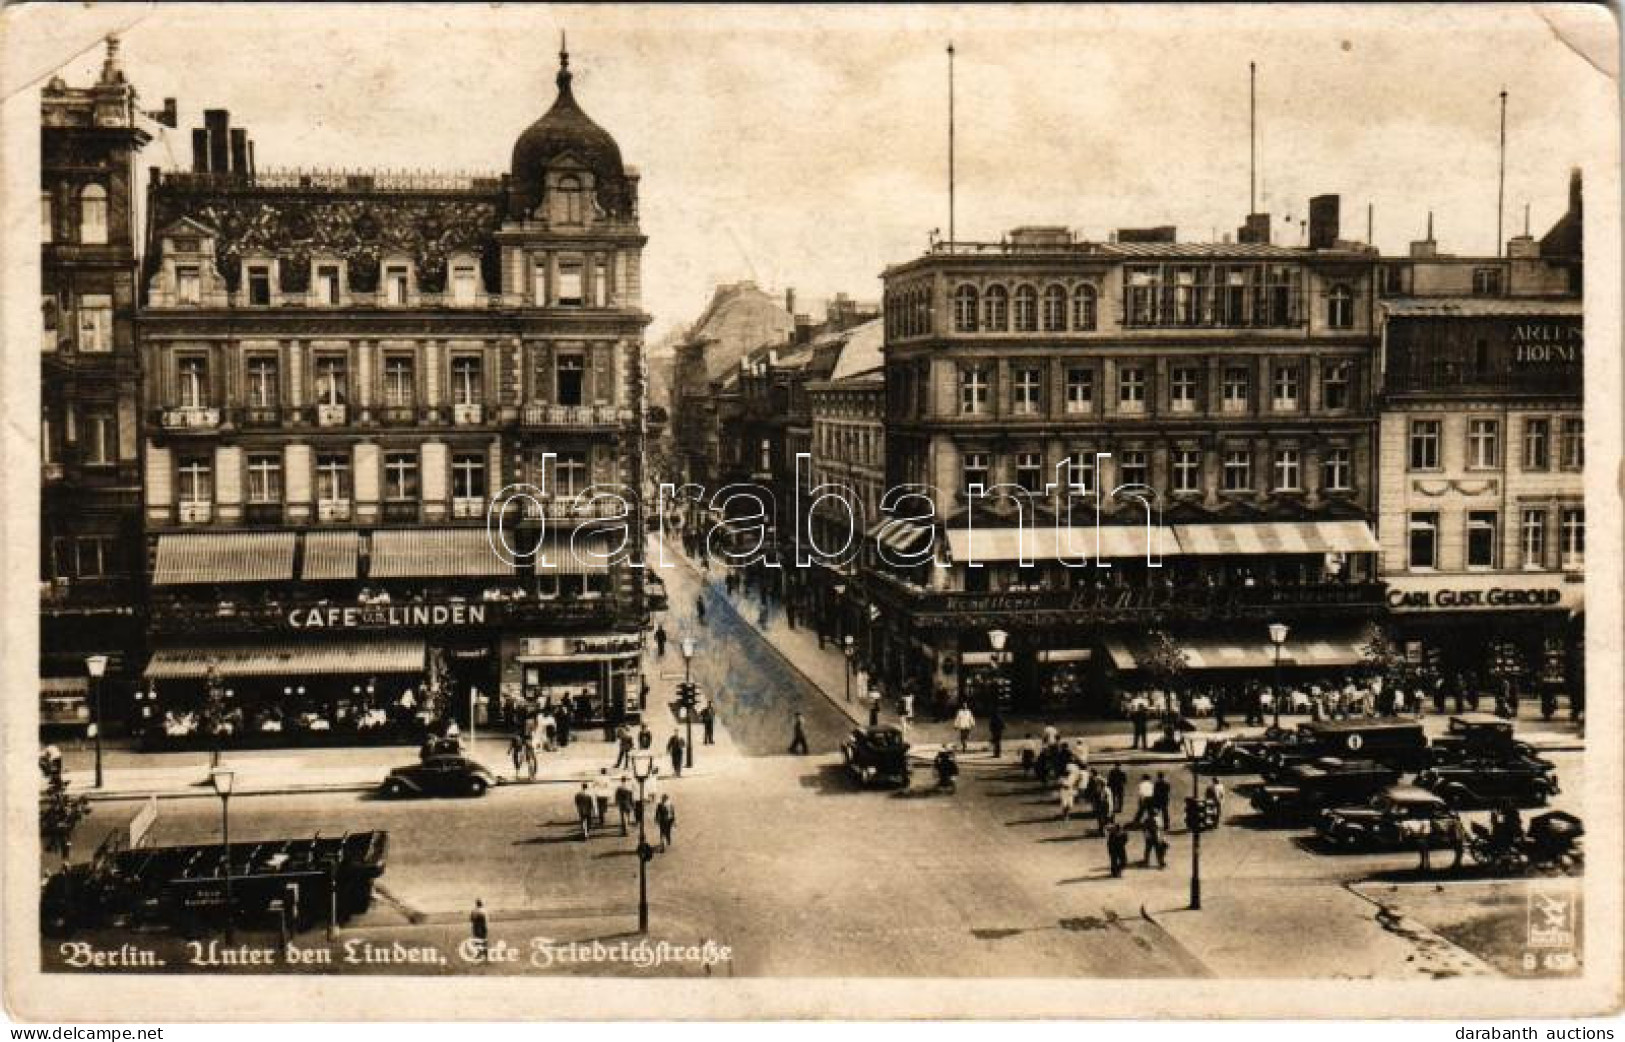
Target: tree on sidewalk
{"x": 1164, "y": 664}
{"x": 1382, "y": 656}
{"x": 60, "y": 813}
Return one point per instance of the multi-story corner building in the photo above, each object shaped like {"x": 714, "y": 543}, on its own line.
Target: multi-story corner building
{"x": 1483, "y": 442}
{"x": 90, "y": 505}
{"x": 343, "y": 373}
{"x": 1228, "y": 386}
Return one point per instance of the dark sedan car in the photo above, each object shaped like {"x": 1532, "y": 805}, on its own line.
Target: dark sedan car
{"x": 1483, "y": 783}
{"x": 1481, "y": 736}
{"x": 1303, "y": 790}
{"x": 877, "y": 755}
{"x": 1392, "y": 820}
{"x": 439, "y": 776}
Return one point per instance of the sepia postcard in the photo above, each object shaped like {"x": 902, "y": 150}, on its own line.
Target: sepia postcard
{"x": 705, "y": 512}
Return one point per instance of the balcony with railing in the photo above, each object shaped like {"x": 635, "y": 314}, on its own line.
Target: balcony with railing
{"x": 333, "y": 510}
{"x": 465, "y": 508}
{"x": 331, "y": 415}
{"x": 471, "y": 414}
{"x": 194, "y": 512}
{"x": 570, "y": 508}
{"x": 190, "y": 418}
{"x": 577, "y": 416}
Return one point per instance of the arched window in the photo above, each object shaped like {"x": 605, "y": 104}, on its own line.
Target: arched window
{"x": 996, "y": 309}
{"x": 93, "y": 215}
{"x": 965, "y": 308}
{"x": 1054, "y": 309}
{"x": 1083, "y": 307}
{"x": 1026, "y": 309}
{"x": 1340, "y": 308}
{"x": 568, "y": 208}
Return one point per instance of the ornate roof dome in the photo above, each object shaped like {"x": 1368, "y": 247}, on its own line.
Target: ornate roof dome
{"x": 564, "y": 130}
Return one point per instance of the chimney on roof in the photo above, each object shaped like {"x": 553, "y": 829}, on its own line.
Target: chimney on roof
{"x": 200, "y": 150}
{"x": 1256, "y": 229}
{"x": 1323, "y": 222}
{"x": 790, "y": 300}
{"x": 1428, "y": 247}
{"x": 239, "y": 151}
{"x": 251, "y": 159}
{"x": 216, "y": 122}
{"x": 169, "y": 115}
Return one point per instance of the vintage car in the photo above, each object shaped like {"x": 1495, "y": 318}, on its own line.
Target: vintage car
{"x": 1483, "y": 783}
{"x": 1384, "y": 823}
{"x": 439, "y": 776}
{"x": 876, "y": 755}
{"x": 1401, "y": 744}
{"x": 1481, "y": 736}
{"x": 1303, "y": 790}
{"x": 1231, "y": 754}
{"x": 654, "y": 588}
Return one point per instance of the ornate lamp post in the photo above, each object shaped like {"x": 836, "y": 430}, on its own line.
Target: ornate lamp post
{"x": 689, "y": 701}
{"x": 839, "y": 589}
{"x": 642, "y": 767}
{"x": 1194, "y": 748}
{"x": 96, "y": 665}
{"x": 1278, "y": 633}
{"x": 848, "y": 650}
{"x": 996, "y": 639}
{"x": 222, "y": 779}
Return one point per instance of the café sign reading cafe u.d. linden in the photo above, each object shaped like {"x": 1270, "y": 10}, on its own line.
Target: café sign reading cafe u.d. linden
{"x": 386, "y": 616}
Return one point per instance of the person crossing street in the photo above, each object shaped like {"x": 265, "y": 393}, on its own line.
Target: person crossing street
{"x": 798, "y": 739}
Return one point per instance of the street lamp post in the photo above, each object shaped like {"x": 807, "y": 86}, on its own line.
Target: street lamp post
{"x": 642, "y": 767}
{"x": 848, "y": 651}
{"x": 222, "y": 780}
{"x": 689, "y": 702}
{"x": 1278, "y": 632}
{"x": 996, "y": 639}
{"x": 96, "y": 665}
{"x": 1194, "y": 747}
{"x": 839, "y": 589}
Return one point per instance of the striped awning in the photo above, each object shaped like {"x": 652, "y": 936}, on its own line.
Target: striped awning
{"x": 562, "y": 558}
{"x": 1322, "y": 650}
{"x": 224, "y": 557}
{"x": 1048, "y": 543}
{"x": 330, "y": 555}
{"x": 1277, "y": 537}
{"x": 904, "y": 537}
{"x": 289, "y": 660}
{"x": 64, "y": 685}
{"x": 435, "y": 552}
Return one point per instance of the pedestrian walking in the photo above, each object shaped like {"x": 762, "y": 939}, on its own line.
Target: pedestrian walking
{"x": 708, "y": 719}
{"x": 1219, "y": 723}
{"x": 874, "y": 707}
{"x": 624, "y": 801}
{"x": 623, "y": 747}
{"x": 1141, "y": 718}
{"x": 479, "y": 928}
{"x": 665, "y": 820}
{"x": 1029, "y": 754}
{"x": 646, "y": 737}
{"x": 1146, "y": 794}
{"x": 660, "y": 642}
{"x": 674, "y": 749}
{"x": 1105, "y": 808}
{"x": 1068, "y": 791}
{"x": 1154, "y": 843}
{"x": 798, "y": 738}
{"x": 584, "y": 809}
{"x": 602, "y": 793}
{"x": 964, "y": 723}
{"x": 531, "y": 761}
{"x": 1161, "y": 795}
{"x": 1117, "y": 785}
{"x": 1117, "y": 849}
{"x": 1215, "y": 798}
{"x": 908, "y": 706}
{"x": 516, "y": 753}
{"x": 699, "y": 608}
{"x": 995, "y": 732}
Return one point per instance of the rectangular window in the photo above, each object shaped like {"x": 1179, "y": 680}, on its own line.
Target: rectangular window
{"x": 1532, "y": 537}
{"x": 1481, "y": 525}
{"x": 570, "y": 283}
{"x": 464, "y": 284}
{"x": 1574, "y": 443}
{"x": 192, "y": 376}
{"x": 400, "y": 385}
{"x": 1187, "y": 470}
{"x": 101, "y": 436}
{"x": 46, "y": 234}
{"x": 1029, "y": 385}
{"x": 1238, "y": 470}
{"x": 1287, "y": 468}
{"x": 1132, "y": 468}
{"x": 538, "y": 287}
{"x": 973, "y": 390}
{"x": 93, "y": 553}
{"x": 467, "y": 384}
{"x": 327, "y": 284}
{"x": 1424, "y": 445}
{"x": 188, "y": 284}
{"x": 1486, "y": 282}
{"x": 1182, "y": 388}
{"x": 401, "y": 476}
{"x": 1573, "y": 524}
{"x": 1483, "y": 444}
{"x": 570, "y": 473}
{"x": 1284, "y": 388}
{"x": 468, "y": 476}
{"x": 1537, "y": 443}
{"x": 1334, "y": 385}
{"x": 262, "y": 383}
{"x": 570, "y": 376}
{"x": 1030, "y": 471}
{"x": 1337, "y": 470}
{"x": 1236, "y": 385}
{"x": 1131, "y": 389}
{"x": 195, "y": 485}
{"x": 600, "y": 283}
{"x": 396, "y": 283}
{"x": 333, "y": 477}
{"x": 975, "y": 470}
{"x": 95, "y": 323}
{"x": 264, "y": 478}
{"x": 332, "y": 381}
{"x": 1080, "y": 390}
{"x": 259, "y": 285}
{"x": 1424, "y": 541}
{"x": 1080, "y": 472}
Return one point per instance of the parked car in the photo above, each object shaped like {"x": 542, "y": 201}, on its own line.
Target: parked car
{"x": 1483, "y": 783}
{"x": 876, "y": 755}
{"x": 1303, "y": 790}
{"x": 654, "y": 588}
{"x": 1245, "y": 754}
{"x": 1382, "y": 823}
{"x": 439, "y": 776}
{"x": 1481, "y": 736}
{"x": 1401, "y": 744}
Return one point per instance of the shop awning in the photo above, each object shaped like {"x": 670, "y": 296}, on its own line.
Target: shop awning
{"x": 330, "y": 555}
{"x": 289, "y": 660}
{"x": 1048, "y": 543}
{"x": 224, "y": 557}
{"x": 1323, "y": 650}
{"x": 1277, "y": 537}
{"x": 64, "y": 685}
{"x": 564, "y": 559}
{"x": 435, "y": 553}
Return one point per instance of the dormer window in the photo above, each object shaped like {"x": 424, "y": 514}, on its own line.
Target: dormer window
{"x": 567, "y": 200}
{"x": 465, "y": 283}
{"x": 395, "y": 284}
{"x": 259, "y": 285}
{"x": 188, "y": 284}
{"x": 327, "y": 284}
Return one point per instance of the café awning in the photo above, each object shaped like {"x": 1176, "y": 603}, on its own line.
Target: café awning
{"x": 1049, "y": 543}
{"x": 289, "y": 660}
{"x": 223, "y": 557}
{"x": 1336, "y": 649}
{"x": 562, "y": 557}
{"x": 330, "y": 555}
{"x": 1277, "y": 537}
{"x": 435, "y": 553}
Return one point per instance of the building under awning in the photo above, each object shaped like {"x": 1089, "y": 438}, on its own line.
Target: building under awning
{"x": 435, "y": 553}
{"x": 1340, "y": 648}
{"x": 1049, "y": 543}
{"x": 289, "y": 660}
{"x": 223, "y": 557}
{"x": 331, "y": 555}
{"x": 1277, "y": 537}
